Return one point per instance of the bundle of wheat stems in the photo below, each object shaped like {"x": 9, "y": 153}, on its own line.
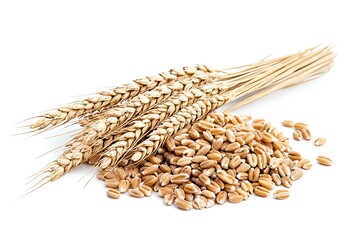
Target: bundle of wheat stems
{"x": 127, "y": 124}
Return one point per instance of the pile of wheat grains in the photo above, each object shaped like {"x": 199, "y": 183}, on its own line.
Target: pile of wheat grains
{"x": 221, "y": 158}
{"x": 162, "y": 133}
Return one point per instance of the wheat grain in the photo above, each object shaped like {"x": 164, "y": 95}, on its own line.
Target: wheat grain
{"x": 323, "y": 160}
{"x": 113, "y": 193}
{"x": 281, "y": 194}
{"x": 319, "y": 141}
{"x": 288, "y": 123}
{"x": 213, "y": 177}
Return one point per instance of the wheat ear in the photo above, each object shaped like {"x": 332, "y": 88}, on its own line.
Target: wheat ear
{"x": 117, "y": 117}
{"x": 111, "y": 97}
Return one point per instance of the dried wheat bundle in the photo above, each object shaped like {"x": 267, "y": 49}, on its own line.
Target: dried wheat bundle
{"x": 123, "y": 132}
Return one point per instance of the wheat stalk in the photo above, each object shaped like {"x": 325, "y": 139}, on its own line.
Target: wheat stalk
{"x": 111, "y": 97}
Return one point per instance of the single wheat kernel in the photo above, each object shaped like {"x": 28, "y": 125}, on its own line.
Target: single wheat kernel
{"x": 210, "y": 203}
{"x": 183, "y": 204}
{"x": 113, "y": 193}
{"x": 189, "y": 197}
{"x": 112, "y": 183}
{"x": 306, "y": 134}
{"x": 214, "y": 156}
{"x": 164, "y": 191}
{"x": 165, "y": 179}
{"x": 235, "y": 197}
{"x": 179, "y": 193}
{"x": 191, "y": 188}
{"x": 154, "y": 159}
{"x": 307, "y": 166}
{"x": 214, "y": 187}
{"x": 225, "y": 163}
{"x": 261, "y": 191}
{"x": 193, "y": 133}
{"x": 208, "y": 194}
{"x": 136, "y": 193}
{"x": 232, "y": 147}
{"x": 252, "y": 160}
{"x": 180, "y": 178}
{"x": 217, "y": 131}
{"x": 150, "y": 181}
{"x": 146, "y": 190}
{"x": 217, "y": 143}
{"x": 124, "y": 185}
{"x": 254, "y": 174}
{"x": 135, "y": 182}
{"x": 243, "y": 193}
{"x": 150, "y": 170}
{"x": 120, "y": 172}
{"x": 169, "y": 199}
{"x": 221, "y": 197}
{"x": 319, "y": 141}
{"x": 184, "y": 161}
{"x": 208, "y": 164}
{"x": 247, "y": 186}
{"x": 205, "y": 180}
{"x": 229, "y": 188}
{"x": 230, "y": 136}
{"x": 219, "y": 182}
{"x": 294, "y": 165}
{"x": 296, "y": 174}
{"x": 266, "y": 183}
{"x": 199, "y": 203}
{"x": 203, "y": 150}
{"x": 281, "y": 194}
{"x": 276, "y": 179}
{"x": 205, "y": 125}
{"x": 299, "y": 126}
{"x": 243, "y": 168}
{"x": 323, "y": 160}
{"x": 288, "y": 123}
{"x": 208, "y": 136}
{"x": 286, "y": 181}
{"x": 226, "y": 178}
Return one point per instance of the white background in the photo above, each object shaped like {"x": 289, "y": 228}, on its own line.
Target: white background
{"x": 51, "y": 51}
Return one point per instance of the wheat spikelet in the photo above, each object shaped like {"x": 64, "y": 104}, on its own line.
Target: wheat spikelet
{"x": 111, "y": 97}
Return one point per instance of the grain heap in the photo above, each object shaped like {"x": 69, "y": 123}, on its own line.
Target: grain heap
{"x": 223, "y": 157}
{"x": 161, "y": 133}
